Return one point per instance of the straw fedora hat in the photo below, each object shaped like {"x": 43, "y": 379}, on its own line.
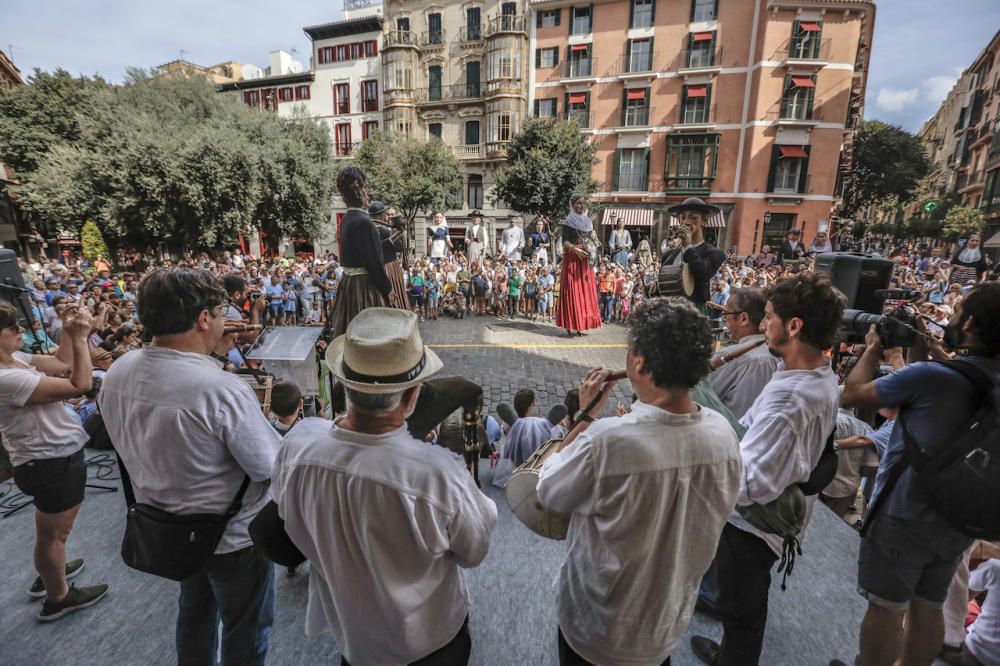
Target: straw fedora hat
{"x": 695, "y": 204}
{"x": 381, "y": 352}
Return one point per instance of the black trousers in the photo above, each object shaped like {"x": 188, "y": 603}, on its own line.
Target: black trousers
{"x": 567, "y": 657}
{"x": 455, "y": 653}
{"x": 743, "y": 564}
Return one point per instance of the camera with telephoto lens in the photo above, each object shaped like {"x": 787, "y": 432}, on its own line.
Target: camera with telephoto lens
{"x": 895, "y": 329}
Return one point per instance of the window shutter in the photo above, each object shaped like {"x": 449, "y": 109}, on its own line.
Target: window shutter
{"x": 618, "y": 166}
{"x": 708, "y": 103}
{"x": 810, "y": 98}
{"x": 784, "y": 95}
{"x": 631, "y": 14}
{"x": 646, "y": 105}
{"x": 538, "y": 20}
{"x": 645, "y": 182}
{"x": 693, "y": 3}
{"x": 536, "y": 108}
{"x": 624, "y": 105}
{"x": 558, "y": 15}
{"x": 771, "y": 170}
{"x": 538, "y": 58}
{"x": 684, "y": 102}
{"x": 652, "y": 12}
{"x": 590, "y": 18}
{"x": 566, "y": 106}
{"x": 555, "y": 55}
{"x": 804, "y": 170}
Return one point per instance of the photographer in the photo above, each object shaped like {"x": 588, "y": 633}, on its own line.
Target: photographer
{"x": 910, "y": 553}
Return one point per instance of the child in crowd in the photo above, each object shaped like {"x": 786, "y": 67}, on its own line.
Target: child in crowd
{"x": 314, "y": 315}
{"x": 290, "y": 300}
{"x": 286, "y": 405}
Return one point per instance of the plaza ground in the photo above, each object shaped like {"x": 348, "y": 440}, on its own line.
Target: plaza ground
{"x": 512, "y": 618}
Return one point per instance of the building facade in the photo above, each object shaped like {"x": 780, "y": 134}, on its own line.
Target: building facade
{"x": 749, "y": 104}
{"x": 978, "y": 131}
{"x": 458, "y": 72}
{"x": 15, "y": 233}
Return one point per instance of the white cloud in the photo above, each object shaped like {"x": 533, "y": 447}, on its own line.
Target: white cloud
{"x": 891, "y": 99}
{"x": 936, "y": 88}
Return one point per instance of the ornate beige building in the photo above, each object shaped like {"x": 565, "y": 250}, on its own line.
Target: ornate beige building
{"x": 458, "y": 72}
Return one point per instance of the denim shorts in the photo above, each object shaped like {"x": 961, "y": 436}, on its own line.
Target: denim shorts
{"x": 55, "y": 484}
{"x": 900, "y": 559}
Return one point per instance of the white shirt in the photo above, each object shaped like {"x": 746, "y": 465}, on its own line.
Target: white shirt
{"x": 740, "y": 381}
{"x": 788, "y": 425}
{"x": 387, "y": 523}
{"x": 34, "y": 432}
{"x": 188, "y": 433}
{"x": 650, "y": 493}
{"x": 984, "y": 634}
{"x": 511, "y": 241}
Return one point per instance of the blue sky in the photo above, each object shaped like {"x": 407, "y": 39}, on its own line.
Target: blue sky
{"x": 920, "y": 45}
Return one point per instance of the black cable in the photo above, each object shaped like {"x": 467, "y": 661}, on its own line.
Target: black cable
{"x": 106, "y": 467}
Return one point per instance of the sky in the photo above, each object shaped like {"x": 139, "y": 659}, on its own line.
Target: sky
{"x": 920, "y": 46}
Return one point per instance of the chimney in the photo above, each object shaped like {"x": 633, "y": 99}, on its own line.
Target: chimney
{"x": 280, "y": 63}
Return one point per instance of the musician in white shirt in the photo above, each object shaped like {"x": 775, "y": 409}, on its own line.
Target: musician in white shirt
{"x": 387, "y": 522}
{"x": 662, "y": 478}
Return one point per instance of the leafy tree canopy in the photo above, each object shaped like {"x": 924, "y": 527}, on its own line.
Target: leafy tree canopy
{"x": 888, "y": 162}
{"x": 962, "y": 221}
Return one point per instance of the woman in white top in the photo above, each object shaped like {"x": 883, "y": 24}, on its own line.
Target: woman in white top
{"x": 45, "y": 444}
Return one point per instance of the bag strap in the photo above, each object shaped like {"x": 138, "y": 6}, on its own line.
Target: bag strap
{"x": 894, "y": 475}
{"x": 237, "y": 504}
{"x": 973, "y": 373}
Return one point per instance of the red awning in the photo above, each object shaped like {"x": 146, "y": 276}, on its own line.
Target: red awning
{"x": 702, "y": 37}
{"x": 579, "y": 47}
{"x": 638, "y": 93}
{"x": 697, "y": 91}
{"x": 792, "y": 151}
{"x": 810, "y": 27}
{"x": 803, "y": 82}
{"x": 578, "y": 98}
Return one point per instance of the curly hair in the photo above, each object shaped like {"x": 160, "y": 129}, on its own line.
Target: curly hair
{"x": 674, "y": 340}
{"x": 812, "y": 298}
{"x": 351, "y": 183}
{"x": 982, "y": 304}
{"x": 170, "y": 299}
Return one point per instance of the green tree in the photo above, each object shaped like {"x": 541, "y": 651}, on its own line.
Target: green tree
{"x": 962, "y": 221}
{"x": 888, "y": 162}
{"x": 547, "y": 162}
{"x": 92, "y": 242}
{"x": 413, "y": 176}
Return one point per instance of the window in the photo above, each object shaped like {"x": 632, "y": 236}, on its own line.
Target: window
{"x": 503, "y": 120}
{"x": 301, "y": 92}
{"x": 695, "y": 104}
{"x": 631, "y": 170}
{"x": 371, "y": 48}
{"x": 285, "y": 94}
{"x": 473, "y": 25}
{"x": 368, "y": 128}
{"x": 789, "y": 165}
{"x": 341, "y": 98}
{"x": 640, "y": 55}
{"x": 797, "y": 102}
{"x": 398, "y": 69}
{"x": 472, "y": 78}
{"x": 325, "y": 55}
{"x": 503, "y": 62}
{"x": 806, "y": 38}
{"x": 581, "y": 20}
{"x": 251, "y": 98}
{"x": 343, "y": 138}
{"x": 578, "y": 108}
{"x": 434, "y": 34}
{"x": 548, "y": 19}
{"x": 475, "y": 191}
{"x": 579, "y": 61}
{"x": 403, "y": 24}
{"x": 691, "y": 162}
{"x": 270, "y": 98}
{"x": 472, "y": 133}
{"x": 342, "y": 53}
{"x": 635, "y": 107}
{"x": 400, "y": 120}
{"x": 356, "y": 51}
{"x": 547, "y": 57}
{"x": 642, "y": 13}
{"x": 434, "y": 83}
{"x": 704, "y": 10}
{"x": 434, "y": 130}
{"x": 701, "y": 49}
{"x": 545, "y": 108}
{"x": 776, "y": 228}
{"x": 369, "y": 96}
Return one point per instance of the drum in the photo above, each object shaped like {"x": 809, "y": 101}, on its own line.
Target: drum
{"x": 522, "y": 496}
{"x": 675, "y": 280}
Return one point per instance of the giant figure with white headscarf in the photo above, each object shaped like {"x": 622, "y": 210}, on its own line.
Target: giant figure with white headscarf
{"x": 577, "y": 308}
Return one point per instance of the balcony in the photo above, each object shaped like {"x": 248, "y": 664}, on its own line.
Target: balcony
{"x": 497, "y": 148}
{"x": 993, "y": 155}
{"x": 447, "y": 94}
{"x": 582, "y": 116}
{"x": 394, "y": 96}
{"x": 470, "y": 37}
{"x": 512, "y": 85}
{"x": 395, "y": 38}
{"x": 797, "y": 52}
{"x": 697, "y": 119}
{"x": 636, "y": 66}
{"x": 788, "y": 114}
{"x": 699, "y": 61}
{"x": 970, "y": 181}
{"x": 689, "y": 184}
{"x": 789, "y": 192}
{"x": 432, "y": 40}
{"x": 473, "y": 152}
{"x": 636, "y": 119}
{"x": 579, "y": 70}
{"x": 506, "y": 23}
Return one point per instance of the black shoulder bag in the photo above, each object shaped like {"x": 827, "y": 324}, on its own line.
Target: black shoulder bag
{"x": 171, "y": 545}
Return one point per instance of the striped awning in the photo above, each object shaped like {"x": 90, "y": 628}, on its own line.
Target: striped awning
{"x": 717, "y": 221}
{"x": 633, "y": 217}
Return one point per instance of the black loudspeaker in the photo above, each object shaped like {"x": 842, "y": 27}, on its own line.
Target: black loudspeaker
{"x": 859, "y": 276}
{"x": 10, "y": 276}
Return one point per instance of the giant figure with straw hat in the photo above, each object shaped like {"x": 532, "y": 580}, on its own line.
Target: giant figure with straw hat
{"x": 690, "y": 261}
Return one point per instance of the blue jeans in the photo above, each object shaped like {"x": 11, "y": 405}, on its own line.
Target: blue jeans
{"x": 607, "y": 306}
{"x": 238, "y": 588}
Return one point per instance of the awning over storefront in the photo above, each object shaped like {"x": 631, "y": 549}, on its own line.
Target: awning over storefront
{"x": 633, "y": 217}
{"x": 717, "y": 221}
{"x": 994, "y": 240}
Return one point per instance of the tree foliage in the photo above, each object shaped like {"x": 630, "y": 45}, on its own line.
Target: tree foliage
{"x": 962, "y": 221}
{"x": 160, "y": 160}
{"x": 413, "y": 176}
{"x": 888, "y": 162}
{"x": 547, "y": 162}
{"x": 93, "y": 242}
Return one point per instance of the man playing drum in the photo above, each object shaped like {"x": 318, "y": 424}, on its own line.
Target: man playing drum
{"x": 663, "y": 477}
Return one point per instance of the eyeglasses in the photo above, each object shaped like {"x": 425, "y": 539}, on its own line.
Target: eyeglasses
{"x": 730, "y": 314}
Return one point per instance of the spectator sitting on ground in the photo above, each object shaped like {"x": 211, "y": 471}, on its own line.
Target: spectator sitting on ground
{"x": 286, "y": 405}
{"x": 526, "y": 434}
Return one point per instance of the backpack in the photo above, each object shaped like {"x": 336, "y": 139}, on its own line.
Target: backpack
{"x": 961, "y": 477}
